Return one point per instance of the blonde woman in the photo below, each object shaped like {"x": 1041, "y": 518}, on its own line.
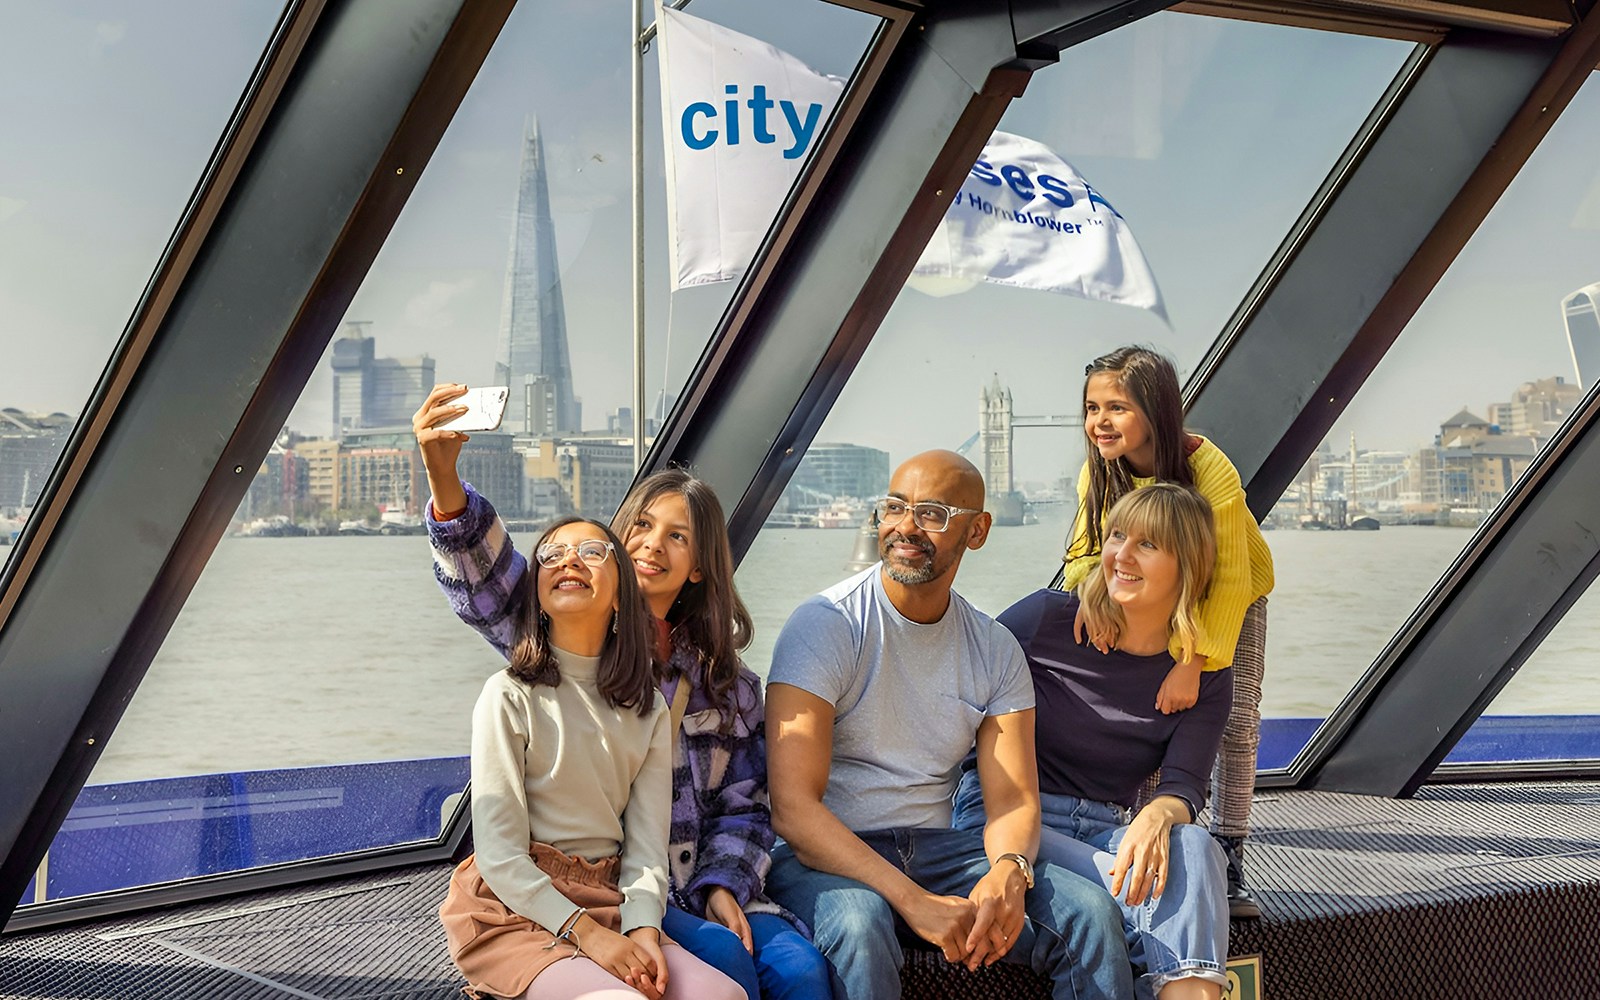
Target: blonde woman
{"x": 1100, "y": 735}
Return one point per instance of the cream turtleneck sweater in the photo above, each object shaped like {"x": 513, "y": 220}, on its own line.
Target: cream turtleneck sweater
{"x": 562, "y": 766}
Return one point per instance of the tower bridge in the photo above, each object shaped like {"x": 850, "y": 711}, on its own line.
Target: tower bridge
{"x": 997, "y": 424}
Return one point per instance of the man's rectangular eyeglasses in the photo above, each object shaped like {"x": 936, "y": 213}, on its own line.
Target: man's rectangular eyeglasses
{"x": 592, "y": 551}
{"x": 927, "y": 515}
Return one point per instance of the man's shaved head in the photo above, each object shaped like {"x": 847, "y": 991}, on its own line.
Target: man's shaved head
{"x": 913, "y": 556}
{"x": 944, "y": 476}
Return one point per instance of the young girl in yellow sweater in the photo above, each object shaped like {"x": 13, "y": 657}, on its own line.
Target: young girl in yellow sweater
{"x": 1133, "y": 418}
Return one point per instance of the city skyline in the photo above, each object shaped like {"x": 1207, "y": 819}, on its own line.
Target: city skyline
{"x": 437, "y": 285}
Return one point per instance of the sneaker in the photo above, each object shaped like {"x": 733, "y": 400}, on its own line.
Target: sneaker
{"x": 1241, "y": 904}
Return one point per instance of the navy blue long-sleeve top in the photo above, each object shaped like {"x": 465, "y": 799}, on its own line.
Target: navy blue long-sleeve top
{"x": 1098, "y": 733}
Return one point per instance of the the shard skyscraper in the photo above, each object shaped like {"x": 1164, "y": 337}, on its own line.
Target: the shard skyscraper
{"x": 532, "y": 357}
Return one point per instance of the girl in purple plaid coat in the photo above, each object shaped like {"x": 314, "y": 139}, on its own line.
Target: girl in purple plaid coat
{"x": 674, "y": 530}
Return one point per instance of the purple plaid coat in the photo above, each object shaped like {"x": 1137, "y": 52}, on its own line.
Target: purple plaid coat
{"x": 721, "y": 817}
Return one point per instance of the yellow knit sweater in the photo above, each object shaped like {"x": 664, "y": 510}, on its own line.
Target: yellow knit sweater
{"x": 1244, "y": 563}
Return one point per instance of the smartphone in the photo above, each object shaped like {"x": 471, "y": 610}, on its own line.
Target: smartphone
{"x": 486, "y": 405}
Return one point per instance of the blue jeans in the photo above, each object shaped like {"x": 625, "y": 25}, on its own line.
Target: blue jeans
{"x": 1185, "y": 932}
{"x": 1072, "y": 934}
{"x": 785, "y": 965}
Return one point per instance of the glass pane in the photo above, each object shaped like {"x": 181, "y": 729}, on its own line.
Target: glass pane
{"x": 314, "y": 697}
{"x": 1472, "y": 391}
{"x": 1548, "y": 711}
{"x": 1186, "y": 107}
{"x": 110, "y": 114}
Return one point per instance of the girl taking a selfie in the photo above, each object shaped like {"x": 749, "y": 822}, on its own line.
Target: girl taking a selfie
{"x": 571, "y": 758}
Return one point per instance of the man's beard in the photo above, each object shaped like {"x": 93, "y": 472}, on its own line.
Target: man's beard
{"x": 909, "y": 577}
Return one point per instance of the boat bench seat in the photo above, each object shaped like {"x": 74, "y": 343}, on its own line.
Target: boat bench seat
{"x": 1465, "y": 890}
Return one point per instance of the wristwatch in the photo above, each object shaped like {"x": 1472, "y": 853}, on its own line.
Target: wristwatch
{"x": 1022, "y": 862}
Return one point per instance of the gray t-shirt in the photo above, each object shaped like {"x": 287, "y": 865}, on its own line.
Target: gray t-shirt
{"x": 907, "y": 698}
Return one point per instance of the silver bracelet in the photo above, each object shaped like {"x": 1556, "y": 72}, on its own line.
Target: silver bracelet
{"x": 569, "y": 933}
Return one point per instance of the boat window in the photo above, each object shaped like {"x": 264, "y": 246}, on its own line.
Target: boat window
{"x": 1477, "y": 385}
{"x": 110, "y": 113}
{"x": 1543, "y": 714}
{"x": 314, "y": 696}
{"x": 1207, "y": 138}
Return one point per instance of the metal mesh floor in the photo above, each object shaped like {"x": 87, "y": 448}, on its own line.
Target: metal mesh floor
{"x": 1464, "y": 891}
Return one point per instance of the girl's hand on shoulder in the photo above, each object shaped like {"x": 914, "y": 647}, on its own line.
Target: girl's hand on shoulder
{"x": 725, "y": 910}
{"x": 1103, "y": 641}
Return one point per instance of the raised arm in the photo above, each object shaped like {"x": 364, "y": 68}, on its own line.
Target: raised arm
{"x": 441, "y": 449}
{"x": 479, "y": 569}
{"x": 799, "y": 752}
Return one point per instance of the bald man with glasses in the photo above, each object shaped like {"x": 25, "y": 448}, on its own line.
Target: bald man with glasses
{"x": 879, "y": 687}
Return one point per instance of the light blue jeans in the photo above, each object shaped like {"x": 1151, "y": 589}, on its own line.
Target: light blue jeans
{"x": 1070, "y": 935}
{"x": 1182, "y": 934}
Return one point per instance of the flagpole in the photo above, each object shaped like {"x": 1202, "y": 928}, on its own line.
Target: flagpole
{"x": 638, "y": 235}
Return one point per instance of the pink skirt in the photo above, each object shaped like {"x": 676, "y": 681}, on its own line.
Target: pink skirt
{"x": 501, "y": 952}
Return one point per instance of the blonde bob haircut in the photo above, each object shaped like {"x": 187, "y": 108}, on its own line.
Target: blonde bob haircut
{"x": 1178, "y": 520}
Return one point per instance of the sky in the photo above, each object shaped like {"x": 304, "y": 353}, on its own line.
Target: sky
{"x": 1208, "y": 135}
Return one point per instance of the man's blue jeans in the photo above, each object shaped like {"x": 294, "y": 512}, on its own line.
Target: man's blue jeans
{"x": 1073, "y": 934}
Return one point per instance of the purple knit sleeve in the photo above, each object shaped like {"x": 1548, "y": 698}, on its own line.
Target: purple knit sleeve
{"x": 478, "y": 569}
{"x": 736, "y": 829}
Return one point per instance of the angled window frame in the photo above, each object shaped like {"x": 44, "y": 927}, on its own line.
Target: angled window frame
{"x": 1531, "y": 77}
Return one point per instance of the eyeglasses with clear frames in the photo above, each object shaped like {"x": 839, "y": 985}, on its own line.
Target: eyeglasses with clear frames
{"x": 592, "y": 551}
{"x": 927, "y": 515}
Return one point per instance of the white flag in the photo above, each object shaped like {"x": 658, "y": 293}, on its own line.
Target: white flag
{"x": 1025, "y": 217}
{"x": 739, "y": 116}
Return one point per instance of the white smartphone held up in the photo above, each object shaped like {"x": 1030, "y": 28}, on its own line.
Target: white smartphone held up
{"x": 486, "y": 405}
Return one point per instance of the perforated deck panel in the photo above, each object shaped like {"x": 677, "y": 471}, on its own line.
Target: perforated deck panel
{"x": 1466, "y": 891}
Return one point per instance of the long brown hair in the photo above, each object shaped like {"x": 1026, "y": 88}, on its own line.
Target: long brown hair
{"x": 1179, "y": 521}
{"x": 1151, "y": 382}
{"x": 625, "y": 679}
{"x": 707, "y": 616}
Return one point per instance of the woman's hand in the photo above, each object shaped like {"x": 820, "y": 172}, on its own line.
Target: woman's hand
{"x": 1181, "y": 688}
{"x": 1142, "y": 857}
{"x": 440, "y": 449}
{"x": 1103, "y": 641}
{"x": 635, "y": 957}
{"x": 725, "y": 910}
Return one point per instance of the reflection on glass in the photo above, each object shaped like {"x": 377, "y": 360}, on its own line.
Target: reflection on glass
{"x": 314, "y": 696}
{"x": 1472, "y": 391}
{"x": 1209, "y": 137}
{"x": 109, "y": 118}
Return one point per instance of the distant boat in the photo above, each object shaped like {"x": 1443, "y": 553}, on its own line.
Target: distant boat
{"x": 399, "y": 523}
{"x": 1364, "y": 524}
{"x": 841, "y": 514}
{"x": 271, "y": 527}
{"x": 356, "y": 528}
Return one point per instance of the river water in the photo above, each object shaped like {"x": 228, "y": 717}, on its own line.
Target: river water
{"x": 303, "y": 651}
